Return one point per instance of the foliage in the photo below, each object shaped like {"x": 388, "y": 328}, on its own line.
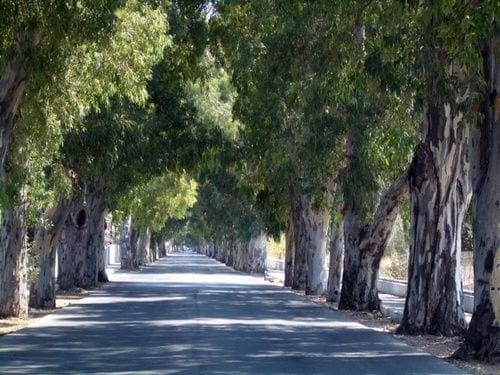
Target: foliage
{"x": 165, "y": 197}
{"x": 305, "y": 82}
{"x": 82, "y": 77}
{"x": 276, "y": 249}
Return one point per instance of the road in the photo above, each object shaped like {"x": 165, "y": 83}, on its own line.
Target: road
{"x": 188, "y": 314}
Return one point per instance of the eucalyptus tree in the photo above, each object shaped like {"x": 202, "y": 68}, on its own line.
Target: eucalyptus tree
{"x": 105, "y": 155}
{"x": 380, "y": 119}
{"x": 482, "y": 340}
{"x": 151, "y": 203}
{"x": 304, "y": 89}
{"x": 37, "y": 38}
{"x": 225, "y": 218}
{"x": 225, "y": 215}
{"x": 78, "y": 54}
{"x": 265, "y": 44}
{"x": 448, "y": 59}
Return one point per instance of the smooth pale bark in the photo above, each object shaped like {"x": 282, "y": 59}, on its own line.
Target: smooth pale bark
{"x": 336, "y": 262}
{"x": 240, "y": 256}
{"x": 482, "y": 340}
{"x": 125, "y": 248}
{"x": 128, "y": 245}
{"x": 439, "y": 197}
{"x": 144, "y": 248}
{"x": 13, "y": 264}
{"x": 149, "y": 249}
{"x": 312, "y": 237}
{"x": 365, "y": 246}
{"x": 289, "y": 254}
{"x": 257, "y": 254}
{"x": 299, "y": 259}
{"x": 43, "y": 291}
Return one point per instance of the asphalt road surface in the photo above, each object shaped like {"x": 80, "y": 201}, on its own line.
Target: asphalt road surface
{"x": 188, "y": 314}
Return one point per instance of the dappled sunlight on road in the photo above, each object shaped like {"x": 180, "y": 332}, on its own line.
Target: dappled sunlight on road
{"x": 188, "y": 314}
{"x": 270, "y": 324}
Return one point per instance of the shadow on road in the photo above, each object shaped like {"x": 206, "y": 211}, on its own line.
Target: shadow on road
{"x": 188, "y": 314}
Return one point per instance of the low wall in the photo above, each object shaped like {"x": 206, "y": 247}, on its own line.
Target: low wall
{"x": 386, "y": 286}
{"x": 398, "y": 288}
{"x": 113, "y": 254}
{"x": 275, "y": 264}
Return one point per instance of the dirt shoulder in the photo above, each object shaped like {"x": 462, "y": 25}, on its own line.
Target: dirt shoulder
{"x": 438, "y": 346}
{"x": 63, "y": 299}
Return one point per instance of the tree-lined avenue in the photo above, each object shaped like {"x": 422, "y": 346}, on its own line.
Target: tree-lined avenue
{"x": 189, "y": 314}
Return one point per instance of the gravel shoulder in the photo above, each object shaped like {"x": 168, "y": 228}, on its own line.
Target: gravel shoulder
{"x": 438, "y": 346}
{"x": 63, "y": 299}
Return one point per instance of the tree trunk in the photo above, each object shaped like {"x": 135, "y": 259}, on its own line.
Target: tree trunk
{"x": 43, "y": 291}
{"x": 155, "y": 249}
{"x": 12, "y": 88}
{"x": 365, "y": 246}
{"x": 240, "y": 256}
{"x": 95, "y": 239}
{"x": 230, "y": 251}
{"x": 336, "y": 261}
{"x": 125, "y": 250}
{"x": 163, "y": 248}
{"x": 144, "y": 248}
{"x": 13, "y": 250}
{"x": 219, "y": 251}
{"x": 299, "y": 259}
{"x": 289, "y": 254}
{"x": 128, "y": 245}
{"x": 482, "y": 340}
{"x": 312, "y": 239}
{"x": 257, "y": 254}
{"x": 71, "y": 257}
{"x": 439, "y": 197}
{"x": 210, "y": 250}
{"x": 77, "y": 248}
{"x": 13, "y": 264}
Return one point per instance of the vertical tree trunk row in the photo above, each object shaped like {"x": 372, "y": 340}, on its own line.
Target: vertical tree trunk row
{"x": 13, "y": 264}
{"x": 43, "y": 290}
{"x": 12, "y": 88}
{"x": 364, "y": 248}
{"x": 439, "y": 197}
{"x": 81, "y": 246}
{"x": 257, "y": 254}
{"x": 312, "y": 239}
{"x": 483, "y": 335}
{"x": 336, "y": 262}
{"x": 299, "y": 259}
{"x": 144, "y": 248}
{"x": 250, "y": 257}
{"x": 128, "y": 245}
{"x": 289, "y": 254}
{"x": 95, "y": 239}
